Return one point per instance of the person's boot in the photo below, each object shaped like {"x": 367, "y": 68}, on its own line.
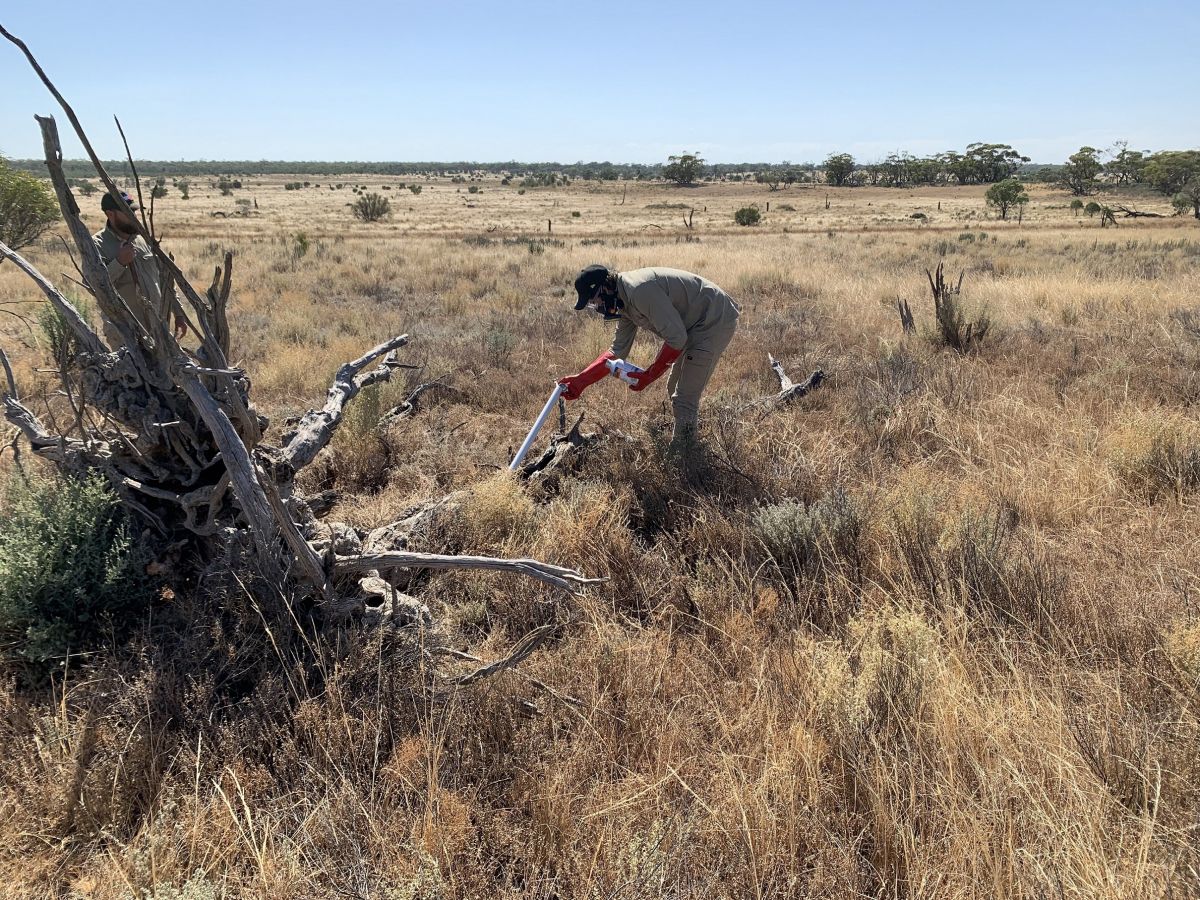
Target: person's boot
{"x": 683, "y": 438}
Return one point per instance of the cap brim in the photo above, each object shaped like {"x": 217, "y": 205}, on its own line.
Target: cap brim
{"x": 583, "y": 301}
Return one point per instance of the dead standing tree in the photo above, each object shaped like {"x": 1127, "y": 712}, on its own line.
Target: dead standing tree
{"x": 177, "y": 436}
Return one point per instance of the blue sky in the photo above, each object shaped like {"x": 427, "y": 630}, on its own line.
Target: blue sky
{"x": 622, "y": 81}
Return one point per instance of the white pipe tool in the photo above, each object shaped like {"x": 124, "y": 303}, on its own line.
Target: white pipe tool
{"x": 537, "y": 426}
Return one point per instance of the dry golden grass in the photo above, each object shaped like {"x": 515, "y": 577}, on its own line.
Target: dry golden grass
{"x": 975, "y": 673}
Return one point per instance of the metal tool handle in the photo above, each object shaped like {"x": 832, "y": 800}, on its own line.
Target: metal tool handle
{"x": 537, "y": 426}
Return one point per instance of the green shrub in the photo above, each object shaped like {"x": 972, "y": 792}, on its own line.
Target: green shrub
{"x": 747, "y": 215}
{"x": 27, "y": 207}
{"x": 415, "y": 188}
{"x": 371, "y": 207}
{"x": 70, "y": 573}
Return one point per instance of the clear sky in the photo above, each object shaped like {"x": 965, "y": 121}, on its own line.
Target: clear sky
{"x": 619, "y": 81}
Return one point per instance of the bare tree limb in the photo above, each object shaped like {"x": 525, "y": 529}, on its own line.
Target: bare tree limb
{"x": 521, "y": 651}
{"x": 1137, "y": 214}
{"x": 88, "y": 339}
{"x": 137, "y": 182}
{"x": 316, "y": 427}
{"x": 567, "y": 579}
{"x": 412, "y": 402}
{"x": 788, "y": 389}
{"x": 8, "y": 373}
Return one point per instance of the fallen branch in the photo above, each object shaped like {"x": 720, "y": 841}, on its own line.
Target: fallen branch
{"x": 316, "y": 427}
{"x": 1137, "y": 214}
{"x": 788, "y": 389}
{"x": 88, "y": 340}
{"x": 523, "y": 649}
{"x": 567, "y": 579}
{"x": 411, "y": 404}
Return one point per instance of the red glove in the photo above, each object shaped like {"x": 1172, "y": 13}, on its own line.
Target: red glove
{"x": 575, "y": 384}
{"x": 666, "y": 356}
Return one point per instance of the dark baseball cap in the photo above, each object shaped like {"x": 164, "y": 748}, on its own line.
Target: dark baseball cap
{"x": 107, "y": 202}
{"x": 587, "y": 281}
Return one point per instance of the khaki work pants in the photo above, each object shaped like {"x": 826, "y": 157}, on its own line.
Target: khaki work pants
{"x": 689, "y": 376}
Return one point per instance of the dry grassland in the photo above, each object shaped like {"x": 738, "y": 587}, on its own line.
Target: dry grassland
{"x": 930, "y": 633}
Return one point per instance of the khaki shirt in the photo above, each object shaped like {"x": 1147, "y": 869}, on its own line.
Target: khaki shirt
{"x": 108, "y": 242}
{"x": 683, "y": 309}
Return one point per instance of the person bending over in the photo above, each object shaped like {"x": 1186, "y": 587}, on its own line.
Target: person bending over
{"x": 694, "y": 318}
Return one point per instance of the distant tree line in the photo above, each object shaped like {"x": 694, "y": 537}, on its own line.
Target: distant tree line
{"x": 606, "y": 171}
{"x": 1174, "y": 173}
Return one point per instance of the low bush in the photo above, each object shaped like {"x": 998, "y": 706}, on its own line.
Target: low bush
{"x": 60, "y": 339}
{"x": 71, "y": 574}
{"x": 748, "y": 215}
{"x": 1158, "y": 459}
{"x": 813, "y": 542}
{"x": 371, "y": 208}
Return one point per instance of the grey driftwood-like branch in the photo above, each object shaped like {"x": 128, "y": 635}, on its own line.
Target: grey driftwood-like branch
{"x": 174, "y": 431}
{"x": 412, "y": 403}
{"x": 789, "y": 390}
{"x": 316, "y": 427}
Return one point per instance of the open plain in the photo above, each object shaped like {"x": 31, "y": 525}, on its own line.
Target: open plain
{"x": 931, "y": 631}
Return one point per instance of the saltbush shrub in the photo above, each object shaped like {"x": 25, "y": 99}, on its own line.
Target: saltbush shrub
{"x": 748, "y": 215}
{"x": 814, "y": 539}
{"x": 71, "y": 574}
{"x": 371, "y": 207}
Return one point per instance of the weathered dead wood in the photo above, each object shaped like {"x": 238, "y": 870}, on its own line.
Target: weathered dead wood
{"x": 88, "y": 340}
{"x": 8, "y": 374}
{"x": 561, "y": 446}
{"x": 567, "y": 579}
{"x": 412, "y": 403}
{"x": 520, "y": 651}
{"x": 1137, "y": 214}
{"x": 213, "y": 351}
{"x": 789, "y": 390}
{"x": 907, "y": 323}
{"x": 316, "y": 427}
{"x": 215, "y": 315}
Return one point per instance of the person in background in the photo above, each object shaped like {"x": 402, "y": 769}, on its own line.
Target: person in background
{"x": 126, "y": 254}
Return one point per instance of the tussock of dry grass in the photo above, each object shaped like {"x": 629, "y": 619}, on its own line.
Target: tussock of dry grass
{"x": 930, "y": 633}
